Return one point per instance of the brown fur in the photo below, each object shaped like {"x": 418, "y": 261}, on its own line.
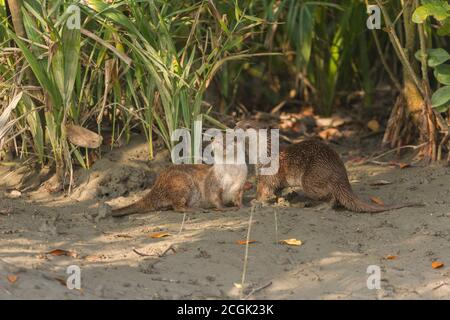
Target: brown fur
{"x": 318, "y": 170}
{"x": 180, "y": 188}
{"x": 185, "y": 187}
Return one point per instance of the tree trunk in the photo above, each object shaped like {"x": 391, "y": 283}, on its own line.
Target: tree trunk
{"x": 412, "y": 114}
{"x": 405, "y": 117}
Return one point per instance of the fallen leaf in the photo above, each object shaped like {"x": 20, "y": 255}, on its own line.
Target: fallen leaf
{"x": 324, "y": 122}
{"x": 292, "y": 242}
{"x": 391, "y": 257}
{"x": 380, "y": 183}
{"x": 158, "y": 235}
{"x": 83, "y": 137}
{"x": 373, "y": 125}
{"x": 377, "y": 201}
{"x": 12, "y": 278}
{"x": 330, "y": 133}
{"x": 60, "y": 252}
{"x": 437, "y": 264}
{"x": 245, "y": 241}
{"x": 403, "y": 165}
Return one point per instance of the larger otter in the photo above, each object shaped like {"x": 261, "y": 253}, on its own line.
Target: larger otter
{"x": 318, "y": 170}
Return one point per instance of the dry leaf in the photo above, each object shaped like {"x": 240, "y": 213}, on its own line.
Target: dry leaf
{"x": 330, "y": 133}
{"x": 292, "y": 242}
{"x": 83, "y": 137}
{"x": 403, "y": 165}
{"x": 373, "y": 125}
{"x": 245, "y": 241}
{"x": 380, "y": 183}
{"x": 437, "y": 264}
{"x": 60, "y": 252}
{"x": 12, "y": 278}
{"x": 237, "y": 285}
{"x": 391, "y": 257}
{"x": 159, "y": 235}
{"x": 377, "y": 201}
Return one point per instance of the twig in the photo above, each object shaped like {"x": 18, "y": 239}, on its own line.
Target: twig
{"x": 182, "y": 223}
{"x": 440, "y": 285}
{"x": 399, "y": 49}
{"x": 264, "y": 286}
{"x": 244, "y": 271}
{"x": 140, "y": 253}
{"x": 276, "y": 224}
{"x": 167, "y": 250}
{"x": 396, "y": 149}
{"x": 383, "y": 60}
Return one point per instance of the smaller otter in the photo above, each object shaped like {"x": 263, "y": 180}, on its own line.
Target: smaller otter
{"x": 318, "y": 170}
{"x": 184, "y": 187}
{"x": 230, "y": 173}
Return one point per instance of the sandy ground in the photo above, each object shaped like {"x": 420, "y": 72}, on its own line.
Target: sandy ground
{"x": 119, "y": 259}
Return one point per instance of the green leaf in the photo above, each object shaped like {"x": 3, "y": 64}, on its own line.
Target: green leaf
{"x": 306, "y": 34}
{"x": 441, "y": 97}
{"x": 435, "y": 56}
{"x": 437, "y": 9}
{"x": 38, "y": 70}
{"x": 71, "y": 52}
{"x": 442, "y": 74}
{"x": 443, "y": 108}
{"x": 420, "y": 14}
{"x": 444, "y": 30}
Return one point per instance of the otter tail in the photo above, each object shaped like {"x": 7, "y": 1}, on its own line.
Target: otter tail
{"x": 347, "y": 198}
{"x": 136, "y": 207}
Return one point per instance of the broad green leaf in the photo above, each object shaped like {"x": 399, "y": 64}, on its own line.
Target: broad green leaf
{"x": 442, "y": 74}
{"x": 441, "y": 97}
{"x": 420, "y": 14}
{"x": 437, "y": 9}
{"x": 443, "y": 108}
{"x": 435, "y": 56}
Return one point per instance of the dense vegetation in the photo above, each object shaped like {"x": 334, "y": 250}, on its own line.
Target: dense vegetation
{"x": 146, "y": 65}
